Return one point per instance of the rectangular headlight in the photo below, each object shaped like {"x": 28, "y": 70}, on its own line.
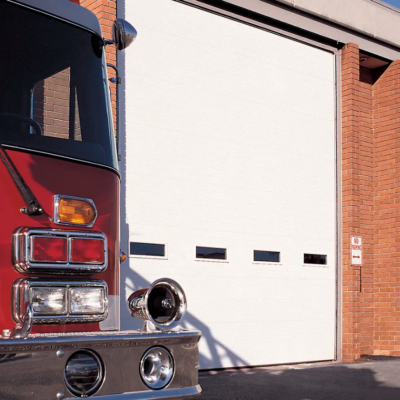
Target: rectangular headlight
{"x": 48, "y": 301}
{"x": 87, "y": 300}
{"x": 60, "y": 302}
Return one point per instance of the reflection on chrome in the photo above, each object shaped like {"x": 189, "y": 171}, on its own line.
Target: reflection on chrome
{"x": 163, "y": 304}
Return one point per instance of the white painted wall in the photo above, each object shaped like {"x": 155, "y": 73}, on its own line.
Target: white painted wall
{"x": 231, "y": 143}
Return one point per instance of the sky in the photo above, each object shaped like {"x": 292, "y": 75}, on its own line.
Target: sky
{"x": 395, "y": 3}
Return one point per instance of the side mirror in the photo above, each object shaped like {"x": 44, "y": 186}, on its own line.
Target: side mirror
{"x": 123, "y": 34}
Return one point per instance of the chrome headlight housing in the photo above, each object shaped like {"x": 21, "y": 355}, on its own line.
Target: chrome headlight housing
{"x": 61, "y": 302}
{"x": 157, "y": 368}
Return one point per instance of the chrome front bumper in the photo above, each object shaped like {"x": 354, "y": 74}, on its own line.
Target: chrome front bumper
{"x": 34, "y": 368}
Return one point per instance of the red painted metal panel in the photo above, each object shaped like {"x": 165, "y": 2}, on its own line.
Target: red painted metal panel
{"x": 47, "y": 176}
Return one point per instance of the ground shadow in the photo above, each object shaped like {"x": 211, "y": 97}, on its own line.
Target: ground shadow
{"x": 366, "y": 381}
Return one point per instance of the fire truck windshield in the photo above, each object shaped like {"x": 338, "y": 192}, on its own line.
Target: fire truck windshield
{"x": 54, "y": 95}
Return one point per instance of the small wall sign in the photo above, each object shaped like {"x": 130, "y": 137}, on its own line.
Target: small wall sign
{"x": 356, "y": 250}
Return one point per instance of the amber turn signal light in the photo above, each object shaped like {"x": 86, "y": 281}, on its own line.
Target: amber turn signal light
{"x": 74, "y": 211}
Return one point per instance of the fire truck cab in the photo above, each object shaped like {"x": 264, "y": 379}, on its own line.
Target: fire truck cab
{"x": 59, "y": 232}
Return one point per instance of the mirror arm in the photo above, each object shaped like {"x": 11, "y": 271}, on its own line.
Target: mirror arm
{"x": 118, "y": 82}
{"x": 107, "y": 42}
{"x": 116, "y": 72}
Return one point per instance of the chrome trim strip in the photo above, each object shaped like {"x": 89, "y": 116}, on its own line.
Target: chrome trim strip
{"x": 57, "y": 217}
{"x": 182, "y": 393}
{"x": 22, "y": 250}
{"x": 21, "y": 295}
{"x": 53, "y": 155}
{"x": 79, "y": 340}
{"x": 23, "y": 330}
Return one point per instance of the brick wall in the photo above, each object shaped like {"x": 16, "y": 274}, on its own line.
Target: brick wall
{"x": 386, "y": 125}
{"x": 357, "y": 204}
{"x": 371, "y": 312}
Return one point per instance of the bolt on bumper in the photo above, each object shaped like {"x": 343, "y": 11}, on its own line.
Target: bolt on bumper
{"x": 34, "y": 368}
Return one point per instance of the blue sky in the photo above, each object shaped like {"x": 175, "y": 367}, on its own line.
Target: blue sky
{"x": 395, "y": 3}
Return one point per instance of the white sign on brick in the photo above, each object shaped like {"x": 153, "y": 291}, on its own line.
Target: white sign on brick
{"x": 356, "y": 250}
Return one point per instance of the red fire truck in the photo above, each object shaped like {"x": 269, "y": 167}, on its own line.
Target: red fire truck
{"x": 59, "y": 231}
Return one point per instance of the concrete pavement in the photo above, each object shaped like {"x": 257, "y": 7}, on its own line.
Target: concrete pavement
{"x": 372, "y": 380}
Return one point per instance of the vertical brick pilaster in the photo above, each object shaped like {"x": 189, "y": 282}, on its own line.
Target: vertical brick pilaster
{"x": 386, "y": 112}
{"x": 350, "y": 203}
{"x": 357, "y": 206}
{"x": 371, "y": 209}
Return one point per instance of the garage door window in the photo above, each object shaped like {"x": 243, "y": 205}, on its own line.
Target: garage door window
{"x": 210, "y": 253}
{"x": 267, "y": 256}
{"x": 320, "y": 259}
{"x": 147, "y": 249}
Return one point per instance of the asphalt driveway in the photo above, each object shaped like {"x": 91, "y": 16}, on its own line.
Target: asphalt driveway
{"x": 372, "y": 380}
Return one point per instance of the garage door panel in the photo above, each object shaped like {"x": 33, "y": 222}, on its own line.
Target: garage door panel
{"x": 231, "y": 143}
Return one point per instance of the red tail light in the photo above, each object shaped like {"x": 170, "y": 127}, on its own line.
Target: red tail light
{"x": 87, "y": 251}
{"x": 50, "y": 249}
{"x": 56, "y": 251}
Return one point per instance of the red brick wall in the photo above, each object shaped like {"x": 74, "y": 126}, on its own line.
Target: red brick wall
{"x": 370, "y": 318}
{"x": 386, "y": 125}
{"x": 357, "y": 205}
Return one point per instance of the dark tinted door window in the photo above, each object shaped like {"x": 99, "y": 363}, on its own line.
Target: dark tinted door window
{"x": 213, "y": 253}
{"x": 266, "y": 256}
{"x": 315, "y": 259}
{"x": 147, "y": 249}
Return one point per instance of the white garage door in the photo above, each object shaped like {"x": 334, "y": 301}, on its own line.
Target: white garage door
{"x": 230, "y": 144}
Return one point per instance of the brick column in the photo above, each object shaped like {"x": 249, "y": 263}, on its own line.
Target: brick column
{"x": 386, "y": 113}
{"x": 350, "y": 201}
{"x": 370, "y": 209}
{"x": 357, "y": 207}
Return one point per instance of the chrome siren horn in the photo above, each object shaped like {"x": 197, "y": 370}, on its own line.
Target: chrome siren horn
{"x": 163, "y": 304}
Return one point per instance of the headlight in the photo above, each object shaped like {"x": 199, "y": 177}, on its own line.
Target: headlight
{"x": 157, "y": 367}
{"x": 61, "y": 302}
{"x": 87, "y": 300}
{"x": 48, "y": 301}
{"x": 83, "y": 373}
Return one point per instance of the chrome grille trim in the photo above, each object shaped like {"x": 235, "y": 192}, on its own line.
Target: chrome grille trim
{"x": 22, "y": 252}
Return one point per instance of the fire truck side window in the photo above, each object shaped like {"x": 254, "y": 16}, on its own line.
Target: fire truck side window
{"x": 54, "y": 96}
